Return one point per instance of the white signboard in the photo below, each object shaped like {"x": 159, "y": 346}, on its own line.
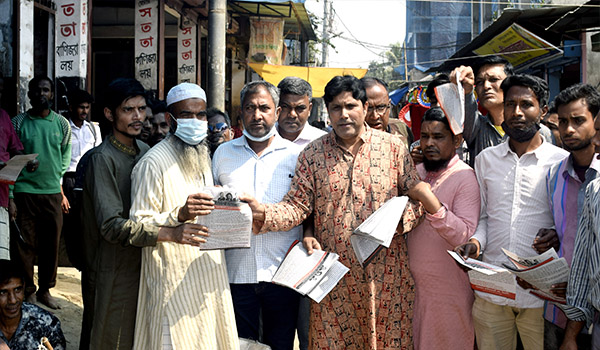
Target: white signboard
{"x": 71, "y": 38}
{"x": 146, "y": 43}
{"x": 186, "y": 52}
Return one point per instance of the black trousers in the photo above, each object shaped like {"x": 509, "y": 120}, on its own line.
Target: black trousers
{"x": 40, "y": 220}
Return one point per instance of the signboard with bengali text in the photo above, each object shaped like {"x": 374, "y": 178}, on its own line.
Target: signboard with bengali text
{"x": 186, "y": 51}
{"x": 71, "y": 38}
{"x": 520, "y": 47}
{"x": 146, "y": 43}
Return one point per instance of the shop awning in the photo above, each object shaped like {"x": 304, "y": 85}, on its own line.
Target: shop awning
{"x": 552, "y": 24}
{"x": 318, "y": 77}
{"x": 296, "y": 18}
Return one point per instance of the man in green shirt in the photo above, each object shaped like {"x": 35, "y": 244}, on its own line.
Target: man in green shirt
{"x": 38, "y": 195}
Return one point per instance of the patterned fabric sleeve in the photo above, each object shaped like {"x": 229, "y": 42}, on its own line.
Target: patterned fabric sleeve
{"x": 297, "y": 203}
{"x": 55, "y": 335}
{"x": 408, "y": 178}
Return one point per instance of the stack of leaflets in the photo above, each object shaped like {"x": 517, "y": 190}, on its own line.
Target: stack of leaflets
{"x": 314, "y": 275}
{"x": 230, "y": 223}
{"x": 541, "y": 271}
{"x": 378, "y": 230}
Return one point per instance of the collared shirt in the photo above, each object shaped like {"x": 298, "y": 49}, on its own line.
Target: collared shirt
{"x": 82, "y": 140}
{"x": 266, "y": 177}
{"x": 307, "y": 135}
{"x": 480, "y": 133}
{"x": 35, "y": 324}
{"x": 514, "y": 207}
{"x": 50, "y": 138}
{"x": 566, "y": 193}
{"x": 583, "y": 290}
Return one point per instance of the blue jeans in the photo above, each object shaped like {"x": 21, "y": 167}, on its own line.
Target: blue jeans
{"x": 278, "y": 307}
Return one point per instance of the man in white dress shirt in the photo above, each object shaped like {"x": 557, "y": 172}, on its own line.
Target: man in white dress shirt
{"x": 514, "y": 205}
{"x": 262, "y": 164}
{"x": 85, "y": 135}
{"x": 184, "y": 299}
{"x": 295, "y": 101}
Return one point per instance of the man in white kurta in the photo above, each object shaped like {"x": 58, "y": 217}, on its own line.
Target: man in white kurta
{"x": 184, "y": 299}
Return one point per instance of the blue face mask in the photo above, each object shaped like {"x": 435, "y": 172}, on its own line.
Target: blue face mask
{"x": 191, "y": 131}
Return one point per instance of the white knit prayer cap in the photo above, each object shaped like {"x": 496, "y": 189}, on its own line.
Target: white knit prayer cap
{"x": 184, "y": 91}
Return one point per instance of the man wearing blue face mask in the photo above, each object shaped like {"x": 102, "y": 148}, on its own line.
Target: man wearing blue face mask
{"x": 184, "y": 300}
{"x": 262, "y": 164}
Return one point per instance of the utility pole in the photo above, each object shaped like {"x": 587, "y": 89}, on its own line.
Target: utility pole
{"x": 217, "y": 24}
{"x": 327, "y": 15}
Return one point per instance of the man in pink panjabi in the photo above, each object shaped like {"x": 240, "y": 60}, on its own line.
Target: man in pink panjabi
{"x": 443, "y": 296}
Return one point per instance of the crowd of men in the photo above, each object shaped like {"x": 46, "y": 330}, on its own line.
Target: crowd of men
{"x": 524, "y": 175}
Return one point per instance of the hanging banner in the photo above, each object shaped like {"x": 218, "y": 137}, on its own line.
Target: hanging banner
{"x": 520, "y": 47}
{"x": 317, "y": 77}
{"x": 71, "y": 38}
{"x": 186, "y": 52}
{"x": 146, "y": 43}
{"x": 266, "y": 40}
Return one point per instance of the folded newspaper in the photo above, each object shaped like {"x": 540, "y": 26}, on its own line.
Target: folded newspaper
{"x": 541, "y": 271}
{"x": 488, "y": 278}
{"x": 378, "y": 230}
{"x": 314, "y": 275}
{"x": 11, "y": 171}
{"x": 230, "y": 223}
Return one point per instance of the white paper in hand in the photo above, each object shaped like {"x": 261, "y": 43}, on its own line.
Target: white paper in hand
{"x": 451, "y": 98}
{"x": 378, "y": 229}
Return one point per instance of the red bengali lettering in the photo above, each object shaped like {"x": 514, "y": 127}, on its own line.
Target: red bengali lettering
{"x": 146, "y": 42}
{"x": 186, "y": 42}
{"x": 187, "y": 55}
{"x": 186, "y": 30}
{"x": 68, "y": 9}
{"x": 146, "y": 12}
{"x": 146, "y": 27}
{"x": 68, "y": 29}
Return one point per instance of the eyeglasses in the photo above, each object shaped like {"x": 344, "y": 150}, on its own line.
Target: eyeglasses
{"x": 218, "y": 127}
{"x": 378, "y": 109}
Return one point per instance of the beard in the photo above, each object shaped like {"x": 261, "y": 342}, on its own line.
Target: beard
{"x": 521, "y": 135}
{"x": 435, "y": 165}
{"x": 583, "y": 144}
{"x": 193, "y": 160}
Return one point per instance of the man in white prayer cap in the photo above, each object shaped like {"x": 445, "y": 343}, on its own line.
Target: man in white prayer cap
{"x": 184, "y": 297}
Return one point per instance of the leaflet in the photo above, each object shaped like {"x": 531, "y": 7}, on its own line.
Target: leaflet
{"x": 541, "y": 271}
{"x": 451, "y": 98}
{"x": 314, "y": 275}
{"x": 378, "y": 229}
{"x": 11, "y": 171}
{"x": 230, "y": 223}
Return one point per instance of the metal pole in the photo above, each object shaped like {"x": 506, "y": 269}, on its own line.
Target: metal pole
{"x": 326, "y": 24}
{"x": 217, "y": 25}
